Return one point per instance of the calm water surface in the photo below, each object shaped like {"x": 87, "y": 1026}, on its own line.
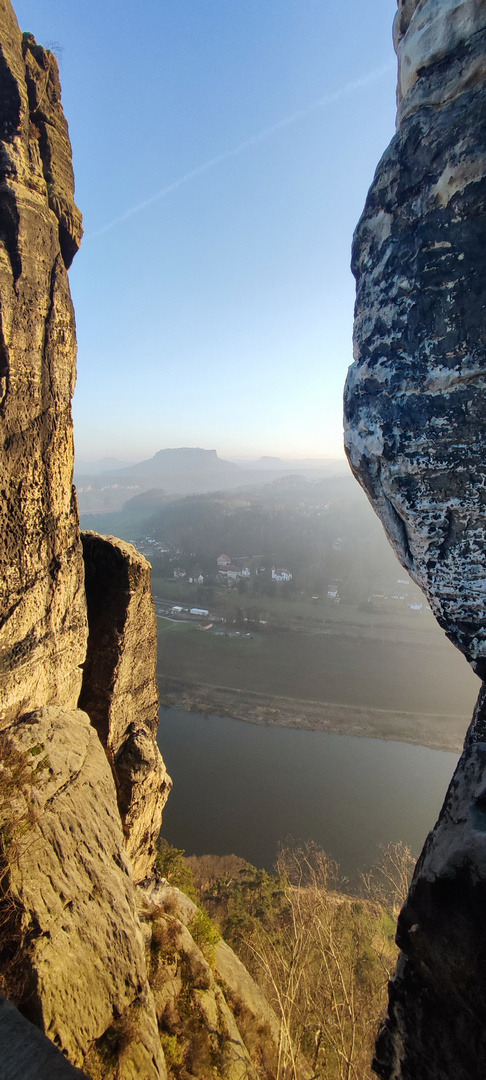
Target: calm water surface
{"x": 243, "y": 788}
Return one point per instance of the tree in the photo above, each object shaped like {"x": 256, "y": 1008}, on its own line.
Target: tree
{"x": 324, "y": 967}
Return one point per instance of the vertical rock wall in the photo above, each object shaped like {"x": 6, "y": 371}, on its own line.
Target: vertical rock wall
{"x": 415, "y": 407}
{"x": 120, "y": 687}
{"x": 415, "y": 423}
{"x": 71, "y": 950}
{"x": 42, "y": 606}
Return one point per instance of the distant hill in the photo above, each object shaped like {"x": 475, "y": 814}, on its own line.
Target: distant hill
{"x": 148, "y": 500}
{"x": 184, "y": 471}
{"x": 99, "y": 468}
{"x": 181, "y": 461}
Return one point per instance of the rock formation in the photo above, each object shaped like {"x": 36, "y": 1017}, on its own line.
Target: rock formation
{"x": 27, "y": 1053}
{"x": 211, "y": 1014}
{"x": 42, "y": 604}
{"x": 119, "y": 690}
{"x": 71, "y": 947}
{"x": 95, "y": 949}
{"x": 70, "y": 879}
{"x": 415, "y": 412}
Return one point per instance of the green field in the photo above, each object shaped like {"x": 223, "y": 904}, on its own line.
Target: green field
{"x": 414, "y": 672}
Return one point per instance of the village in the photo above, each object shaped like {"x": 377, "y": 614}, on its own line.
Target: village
{"x": 239, "y": 597}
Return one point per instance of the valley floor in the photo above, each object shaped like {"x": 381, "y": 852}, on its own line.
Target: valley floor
{"x": 438, "y": 732}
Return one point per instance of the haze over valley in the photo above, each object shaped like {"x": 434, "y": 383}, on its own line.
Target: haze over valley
{"x": 280, "y": 603}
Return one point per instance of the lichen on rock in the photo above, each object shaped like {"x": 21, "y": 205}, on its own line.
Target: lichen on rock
{"x": 415, "y": 402}
{"x": 415, "y": 422}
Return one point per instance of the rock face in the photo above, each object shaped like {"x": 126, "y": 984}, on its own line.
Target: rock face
{"x": 71, "y": 949}
{"x": 415, "y": 406}
{"x": 84, "y": 961}
{"x": 213, "y": 1019}
{"x": 436, "y": 1026}
{"x": 119, "y": 690}
{"x": 42, "y": 605}
{"x": 415, "y": 412}
{"x": 82, "y": 783}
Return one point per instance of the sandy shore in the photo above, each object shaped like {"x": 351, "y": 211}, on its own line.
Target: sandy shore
{"x": 434, "y": 731}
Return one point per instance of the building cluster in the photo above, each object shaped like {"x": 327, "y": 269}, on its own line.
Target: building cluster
{"x": 227, "y": 570}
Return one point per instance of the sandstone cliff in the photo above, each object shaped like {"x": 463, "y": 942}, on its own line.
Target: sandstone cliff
{"x": 95, "y": 949}
{"x": 71, "y": 947}
{"x": 415, "y": 413}
{"x": 119, "y": 690}
{"x": 43, "y": 610}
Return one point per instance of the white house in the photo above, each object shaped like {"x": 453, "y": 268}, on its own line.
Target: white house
{"x": 230, "y": 572}
{"x": 281, "y": 575}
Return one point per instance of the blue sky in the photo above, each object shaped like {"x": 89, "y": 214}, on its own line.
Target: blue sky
{"x": 220, "y": 313}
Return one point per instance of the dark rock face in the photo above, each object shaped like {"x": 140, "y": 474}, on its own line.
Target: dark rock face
{"x": 437, "y": 1011}
{"x": 120, "y": 687}
{"x": 42, "y": 607}
{"x": 415, "y": 406}
{"x": 27, "y": 1053}
{"x": 415, "y": 415}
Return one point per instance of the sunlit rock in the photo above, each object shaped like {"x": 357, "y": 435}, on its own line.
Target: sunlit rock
{"x": 120, "y": 687}
{"x": 79, "y": 936}
{"x": 42, "y": 605}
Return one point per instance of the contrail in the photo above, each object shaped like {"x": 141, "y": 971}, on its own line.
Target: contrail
{"x": 347, "y": 90}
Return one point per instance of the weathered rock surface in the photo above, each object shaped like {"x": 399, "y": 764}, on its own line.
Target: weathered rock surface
{"x": 415, "y": 406}
{"x": 437, "y": 1013}
{"x": 42, "y": 606}
{"x": 213, "y": 1018}
{"x": 87, "y": 985}
{"x": 257, "y": 1022}
{"x": 415, "y": 412}
{"x": 120, "y": 691}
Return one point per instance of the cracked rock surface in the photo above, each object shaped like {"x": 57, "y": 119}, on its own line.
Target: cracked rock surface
{"x": 415, "y": 422}
{"x": 415, "y": 403}
{"x": 42, "y": 606}
{"x": 120, "y": 691}
{"x": 72, "y": 882}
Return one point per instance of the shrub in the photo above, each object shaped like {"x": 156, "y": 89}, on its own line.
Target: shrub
{"x": 205, "y": 934}
{"x": 171, "y": 865}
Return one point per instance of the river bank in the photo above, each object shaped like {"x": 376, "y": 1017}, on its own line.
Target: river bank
{"x": 437, "y": 732}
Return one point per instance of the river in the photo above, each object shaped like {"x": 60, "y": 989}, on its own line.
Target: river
{"x": 244, "y": 789}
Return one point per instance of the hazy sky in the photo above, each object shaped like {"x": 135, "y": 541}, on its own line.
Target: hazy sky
{"x": 222, "y": 151}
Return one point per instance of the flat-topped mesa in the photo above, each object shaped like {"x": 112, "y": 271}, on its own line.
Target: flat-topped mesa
{"x": 42, "y": 607}
{"x": 415, "y": 407}
{"x": 415, "y": 422}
